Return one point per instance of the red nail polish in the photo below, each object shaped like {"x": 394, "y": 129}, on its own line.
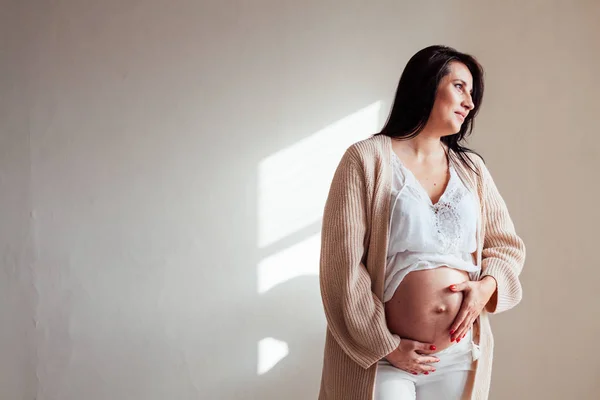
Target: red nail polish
{"x": 433, "y": 370}
{"x": 457, "y": 340}
{"x": 453, "y": 287}
{"x": 452, "y": 331}
{"x": 414, "y": 373}
{"x": 432, "y": 347}
{"x": 426, "y": 373}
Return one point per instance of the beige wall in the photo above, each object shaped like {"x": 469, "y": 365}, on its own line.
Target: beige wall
{"x": 17, "y": 291}
{"x": 174, "y": 157}
{"x": 539, "y": 131}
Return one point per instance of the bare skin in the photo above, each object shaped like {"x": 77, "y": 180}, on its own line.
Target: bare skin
{"x": 432, "y": 308}
{"x": 423, "y": 307}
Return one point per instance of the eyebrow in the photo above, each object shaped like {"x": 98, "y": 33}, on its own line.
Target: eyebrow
{"x": 465, "y": 83}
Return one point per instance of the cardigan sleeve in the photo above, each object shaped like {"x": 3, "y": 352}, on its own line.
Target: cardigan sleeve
{"x": 503, "y": 253}
{"x": 355, "y": 315}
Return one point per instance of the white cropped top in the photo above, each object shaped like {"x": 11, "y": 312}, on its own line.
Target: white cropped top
{"x": 424, "y": 235}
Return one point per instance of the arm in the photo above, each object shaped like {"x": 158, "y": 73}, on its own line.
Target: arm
{"x": 503, "y": 252}
{"x": 355, "y": 316}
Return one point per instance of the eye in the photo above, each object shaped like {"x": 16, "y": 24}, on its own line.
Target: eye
{"x": 459, "y": 85}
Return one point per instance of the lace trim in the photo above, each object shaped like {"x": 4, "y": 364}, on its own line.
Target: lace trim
{"x": 446, "y": 217}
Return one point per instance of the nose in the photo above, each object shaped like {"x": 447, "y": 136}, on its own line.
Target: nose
{"x": 468, "y": 102}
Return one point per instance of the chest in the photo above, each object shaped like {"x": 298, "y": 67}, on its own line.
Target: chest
{"x": 433, "y": 179}
{"x": 446, "y": 226}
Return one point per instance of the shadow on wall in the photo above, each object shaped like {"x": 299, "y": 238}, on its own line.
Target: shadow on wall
{"x": 292, "y": 189}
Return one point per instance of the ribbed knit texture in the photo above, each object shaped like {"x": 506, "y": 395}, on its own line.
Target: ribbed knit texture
{"x": 354, "y": 244}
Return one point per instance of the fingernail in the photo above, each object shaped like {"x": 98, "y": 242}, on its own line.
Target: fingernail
{"x": 433, "y": 370}
{"x": 414, "y": 373}
{"x": 457, "y": 340}
{"x": 426, "y": 373}
{"x": 452, "y": 331}
{"x": 452, "y": 287}
{"x": 432, "y": 347}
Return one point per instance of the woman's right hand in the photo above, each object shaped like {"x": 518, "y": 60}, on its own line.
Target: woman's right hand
{"x": 412, "y": 356}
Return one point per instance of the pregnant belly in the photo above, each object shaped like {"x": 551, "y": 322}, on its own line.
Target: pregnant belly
{"x": 423, "y": 307}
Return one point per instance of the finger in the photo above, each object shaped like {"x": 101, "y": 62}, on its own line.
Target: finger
{"x": 455, "y": 337}
{"x": 459, "y": 287}
{"x": 426, "y": 369}
{"x": 424, "y": 348}
{"x": 458, "y": 321}
{"x": 465, "y": 334}
{"x": 459, "y": 335}
{"x": 462, "y": 331}
{"x": 427, "y": 360}
{"x": 463, "y": 328}
{"x": 469, "y": 328}
{"x": 466, "y": 326}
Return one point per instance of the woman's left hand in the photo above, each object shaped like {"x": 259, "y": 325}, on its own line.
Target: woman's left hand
{"x": 476, "y": 294}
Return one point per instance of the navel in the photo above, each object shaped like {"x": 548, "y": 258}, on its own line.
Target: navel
{"x": 441, "y": 309}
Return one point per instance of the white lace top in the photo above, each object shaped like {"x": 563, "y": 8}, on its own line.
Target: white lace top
{"x": 424, "y": 235}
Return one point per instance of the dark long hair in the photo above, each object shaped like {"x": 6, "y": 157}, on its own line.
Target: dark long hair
{"x": 417, "y": 91}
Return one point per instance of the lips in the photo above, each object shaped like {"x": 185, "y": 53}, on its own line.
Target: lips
{"x": 461, "y": 116}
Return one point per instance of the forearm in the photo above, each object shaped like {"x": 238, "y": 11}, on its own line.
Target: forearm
{"x": 356, "y": 317}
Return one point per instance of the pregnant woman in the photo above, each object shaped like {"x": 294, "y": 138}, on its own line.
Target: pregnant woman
{"x": 418, "y": 247}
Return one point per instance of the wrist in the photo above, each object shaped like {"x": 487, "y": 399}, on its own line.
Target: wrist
{"x": 490, "y": 286}
{"x": 489, "y": 282}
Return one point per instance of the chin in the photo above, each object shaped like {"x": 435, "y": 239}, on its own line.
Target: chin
{"x": 457, "y": 127}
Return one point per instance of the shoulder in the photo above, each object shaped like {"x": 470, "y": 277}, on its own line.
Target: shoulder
{"x": 482, "y": 169}
{"x": 367, "y": 159}
{"x": 483, "y": 177}
{"x": 371, "y": 149}
{"x": 475, "y": 161}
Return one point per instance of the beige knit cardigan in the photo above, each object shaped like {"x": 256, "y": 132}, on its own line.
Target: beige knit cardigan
{"x": 354, "y": 246}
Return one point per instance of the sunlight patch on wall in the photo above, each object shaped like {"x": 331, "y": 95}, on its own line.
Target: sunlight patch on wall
{"x": 292, "y": 189}
{"x": 297, "y": 260}
{"x": 270, "y": 352}
{"x": 293, "y": 183}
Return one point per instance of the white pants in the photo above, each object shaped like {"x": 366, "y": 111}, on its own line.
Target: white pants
{"x": 446, "y": 383}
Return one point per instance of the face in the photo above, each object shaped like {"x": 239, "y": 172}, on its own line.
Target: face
{"x": 453, "y": 101}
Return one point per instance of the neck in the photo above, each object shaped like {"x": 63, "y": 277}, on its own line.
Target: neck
{"x": 425, "y": 147}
